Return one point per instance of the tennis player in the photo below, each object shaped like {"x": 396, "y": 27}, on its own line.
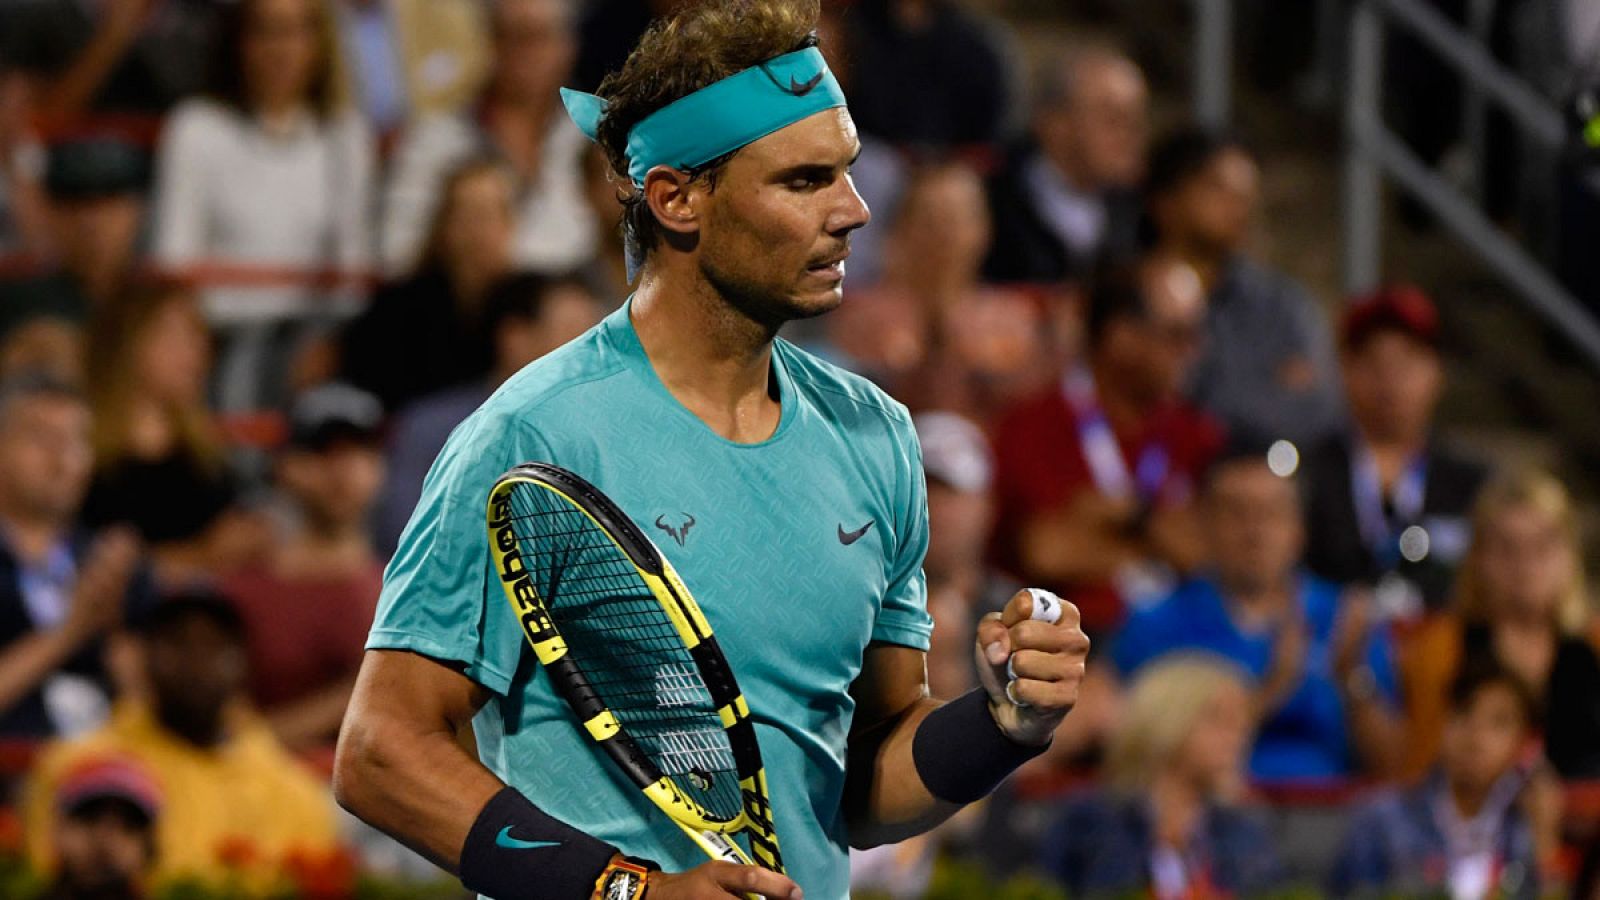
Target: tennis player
{"x": 788, "y": 493}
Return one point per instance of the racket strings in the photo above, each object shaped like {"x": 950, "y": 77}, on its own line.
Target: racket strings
{"x": 626, "y": 646}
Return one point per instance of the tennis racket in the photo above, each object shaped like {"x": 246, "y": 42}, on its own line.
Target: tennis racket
{"x": 627, "y": 648}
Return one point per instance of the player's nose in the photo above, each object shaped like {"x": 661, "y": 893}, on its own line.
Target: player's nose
{"x": 850, "y": 213}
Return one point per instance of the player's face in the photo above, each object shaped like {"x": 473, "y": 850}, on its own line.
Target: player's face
{"x": 777, "y": 226}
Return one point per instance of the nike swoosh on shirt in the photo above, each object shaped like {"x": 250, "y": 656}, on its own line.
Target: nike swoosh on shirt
{"x": 505, "y": 840}
{"x": 850, "y": 537}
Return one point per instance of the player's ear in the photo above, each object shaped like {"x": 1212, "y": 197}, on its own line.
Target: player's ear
{"x": 672, "y": 199}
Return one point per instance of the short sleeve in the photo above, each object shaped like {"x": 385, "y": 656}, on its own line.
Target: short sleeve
{"x": 903, "y": 617}
{"x": 438, "y": 597}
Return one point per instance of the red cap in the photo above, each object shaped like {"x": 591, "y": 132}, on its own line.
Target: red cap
{"x": 109, "y": 777}
{"x": 1399, "y": 307}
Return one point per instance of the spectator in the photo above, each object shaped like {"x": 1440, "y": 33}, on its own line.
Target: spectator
{"x": 1386, "y": 502}
{"x": 104, "y": 844}
{"x": 307, "y": 607}
{"x": 53, "y": 623}
{"x": 94, "y": 207}
{"x": 43, "y": 343}
{"x": 1094, "y": 477}
{"x": 905, "y": 86}
{"x": 271, "y": 175}
{"x": 121, "y": 56}
{"x": 24, "y": 226}
{"x": 236, "y": 805}
{"x": 1169, "y": 823}
{"x": 407, "y": 58}
{"x": 1066, "y": 200}
{"x": 926, "y": 331}
{"x": 1269, "y": 365}
{"x": 426, "y": 333}
{"x": 158, "y": 464}
{"x": 1467, "y": 830}
{"x": 1324, "y": 678}
{"x": 1520, "y": 603}
{"x": 519, "y": 118}
{"x": 525, "y": 316}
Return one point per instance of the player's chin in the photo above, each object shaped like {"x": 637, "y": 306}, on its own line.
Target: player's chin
{"x": 818, "y": 291}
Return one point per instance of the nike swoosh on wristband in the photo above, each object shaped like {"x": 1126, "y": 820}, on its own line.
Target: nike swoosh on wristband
{"x": 850, "y": 537}
{"x": 504, "y": 839}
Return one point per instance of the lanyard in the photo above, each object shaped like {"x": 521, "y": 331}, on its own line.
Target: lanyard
{"x": 1101, "y": 451}
{"x": 1381, "y": 531}
{"x": 46, "y": 585}
{"x": 1473, "y": 847}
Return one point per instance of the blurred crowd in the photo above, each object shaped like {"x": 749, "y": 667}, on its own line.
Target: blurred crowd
{"x": 259, "y": 257}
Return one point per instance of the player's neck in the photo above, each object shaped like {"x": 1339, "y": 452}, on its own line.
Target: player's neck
{"x": 714, "y": 361}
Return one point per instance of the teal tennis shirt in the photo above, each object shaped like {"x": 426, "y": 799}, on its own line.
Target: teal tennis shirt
{"x": 801, "y": 550}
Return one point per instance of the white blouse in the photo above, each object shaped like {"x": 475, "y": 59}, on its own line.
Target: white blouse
{"x": 229, "y": 193}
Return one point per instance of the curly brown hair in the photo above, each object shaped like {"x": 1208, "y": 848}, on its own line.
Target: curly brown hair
{"x": 702, "y": 44}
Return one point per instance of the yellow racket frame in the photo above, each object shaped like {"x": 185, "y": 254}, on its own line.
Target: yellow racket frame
{"x": 712, "y": 835}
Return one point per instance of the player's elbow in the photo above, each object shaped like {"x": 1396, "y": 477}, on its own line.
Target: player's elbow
{"x": 359, "y": 761}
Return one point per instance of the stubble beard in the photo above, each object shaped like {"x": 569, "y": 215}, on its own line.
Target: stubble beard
{"x": 756, "y": 301}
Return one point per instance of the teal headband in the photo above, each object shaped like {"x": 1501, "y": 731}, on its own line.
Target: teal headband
{"x": 722, "y": 117}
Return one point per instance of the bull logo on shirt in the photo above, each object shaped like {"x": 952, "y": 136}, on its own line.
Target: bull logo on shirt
{"x": 679, "y": 532}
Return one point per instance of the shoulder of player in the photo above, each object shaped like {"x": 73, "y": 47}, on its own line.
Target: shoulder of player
{"x": 834, "y": 386}
{"x": 557, "y": 377}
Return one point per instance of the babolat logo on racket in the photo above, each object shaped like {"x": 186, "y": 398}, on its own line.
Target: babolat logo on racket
{"x": 535, "y": 618}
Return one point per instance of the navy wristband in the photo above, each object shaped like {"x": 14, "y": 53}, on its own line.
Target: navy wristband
{"x": 515, "y": 851}
{"x": 960, "y": 752}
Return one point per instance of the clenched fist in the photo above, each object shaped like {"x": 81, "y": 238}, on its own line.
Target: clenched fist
{"x": 1031, "y": 659}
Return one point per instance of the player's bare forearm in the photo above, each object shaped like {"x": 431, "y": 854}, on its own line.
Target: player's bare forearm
{"x": 401, "y": 764}
{"x": 885, "y": 800}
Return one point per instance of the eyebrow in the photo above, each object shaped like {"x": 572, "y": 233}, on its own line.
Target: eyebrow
{"x": 814, "y": 169}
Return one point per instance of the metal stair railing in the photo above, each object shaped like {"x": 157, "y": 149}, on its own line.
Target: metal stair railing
{"x": 1373, "y": 153}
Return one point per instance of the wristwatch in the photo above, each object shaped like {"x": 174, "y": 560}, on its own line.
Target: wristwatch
{"x": 624, "y": 879}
